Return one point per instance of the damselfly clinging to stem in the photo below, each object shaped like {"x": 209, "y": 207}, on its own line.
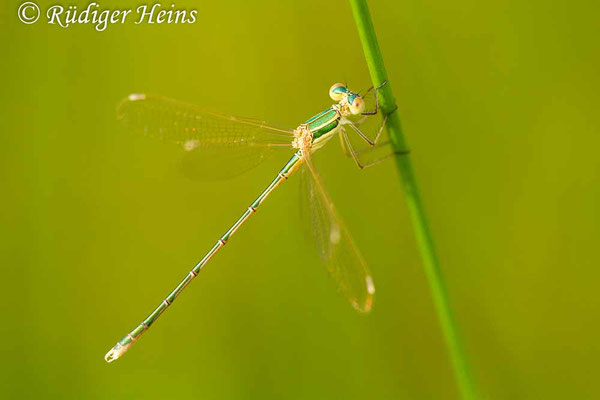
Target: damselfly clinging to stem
{"x": 204, "y": 133}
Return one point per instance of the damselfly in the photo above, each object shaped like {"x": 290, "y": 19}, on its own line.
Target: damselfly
{"x": 203, "y": 132}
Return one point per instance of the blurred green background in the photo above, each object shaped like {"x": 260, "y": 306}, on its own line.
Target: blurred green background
{"x": 499, "y": 102}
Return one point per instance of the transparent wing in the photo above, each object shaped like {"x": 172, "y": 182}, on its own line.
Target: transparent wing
{"x": 194, "y": 127}
{"x": 218, "y": 163}
{"x": 217, "y": 146}
{"x": 333, "y": 241}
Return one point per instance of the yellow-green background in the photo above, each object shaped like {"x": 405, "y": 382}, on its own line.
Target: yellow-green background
{"x": 499, "y": 101}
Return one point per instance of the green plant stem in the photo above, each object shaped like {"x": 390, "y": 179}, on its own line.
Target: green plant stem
{"x": 415, "y": 205}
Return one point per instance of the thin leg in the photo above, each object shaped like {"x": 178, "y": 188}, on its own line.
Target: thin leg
{"x": 355, "y": 155}
{"x": 376, "y": 101}
{"x": 362, "y": 120}
{"x": 369, "y": 113}
{"x": 359, "y": 152}
{"x": 371, "y": 149}
{"x": 365, "y": 137}
{"x": 366, "y": 93}
{"x": 362, "y": 135}
{"x": 342, "y": 143}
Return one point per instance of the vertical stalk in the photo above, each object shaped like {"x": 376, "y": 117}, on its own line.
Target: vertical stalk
{"x": 433, "y": 272}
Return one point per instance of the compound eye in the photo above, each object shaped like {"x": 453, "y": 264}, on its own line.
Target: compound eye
{"x": 337, "y": 92}
{"x": 357, "y": 106}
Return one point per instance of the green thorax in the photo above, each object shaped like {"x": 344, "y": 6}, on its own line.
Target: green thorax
{"x": 323, "y": 122}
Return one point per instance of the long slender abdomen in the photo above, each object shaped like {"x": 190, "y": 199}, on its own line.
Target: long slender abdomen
{"x": 124, "y": 344}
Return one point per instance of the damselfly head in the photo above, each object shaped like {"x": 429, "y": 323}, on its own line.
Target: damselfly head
{"x": 356, "y": 103}
{"x": 338, "y": 91}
